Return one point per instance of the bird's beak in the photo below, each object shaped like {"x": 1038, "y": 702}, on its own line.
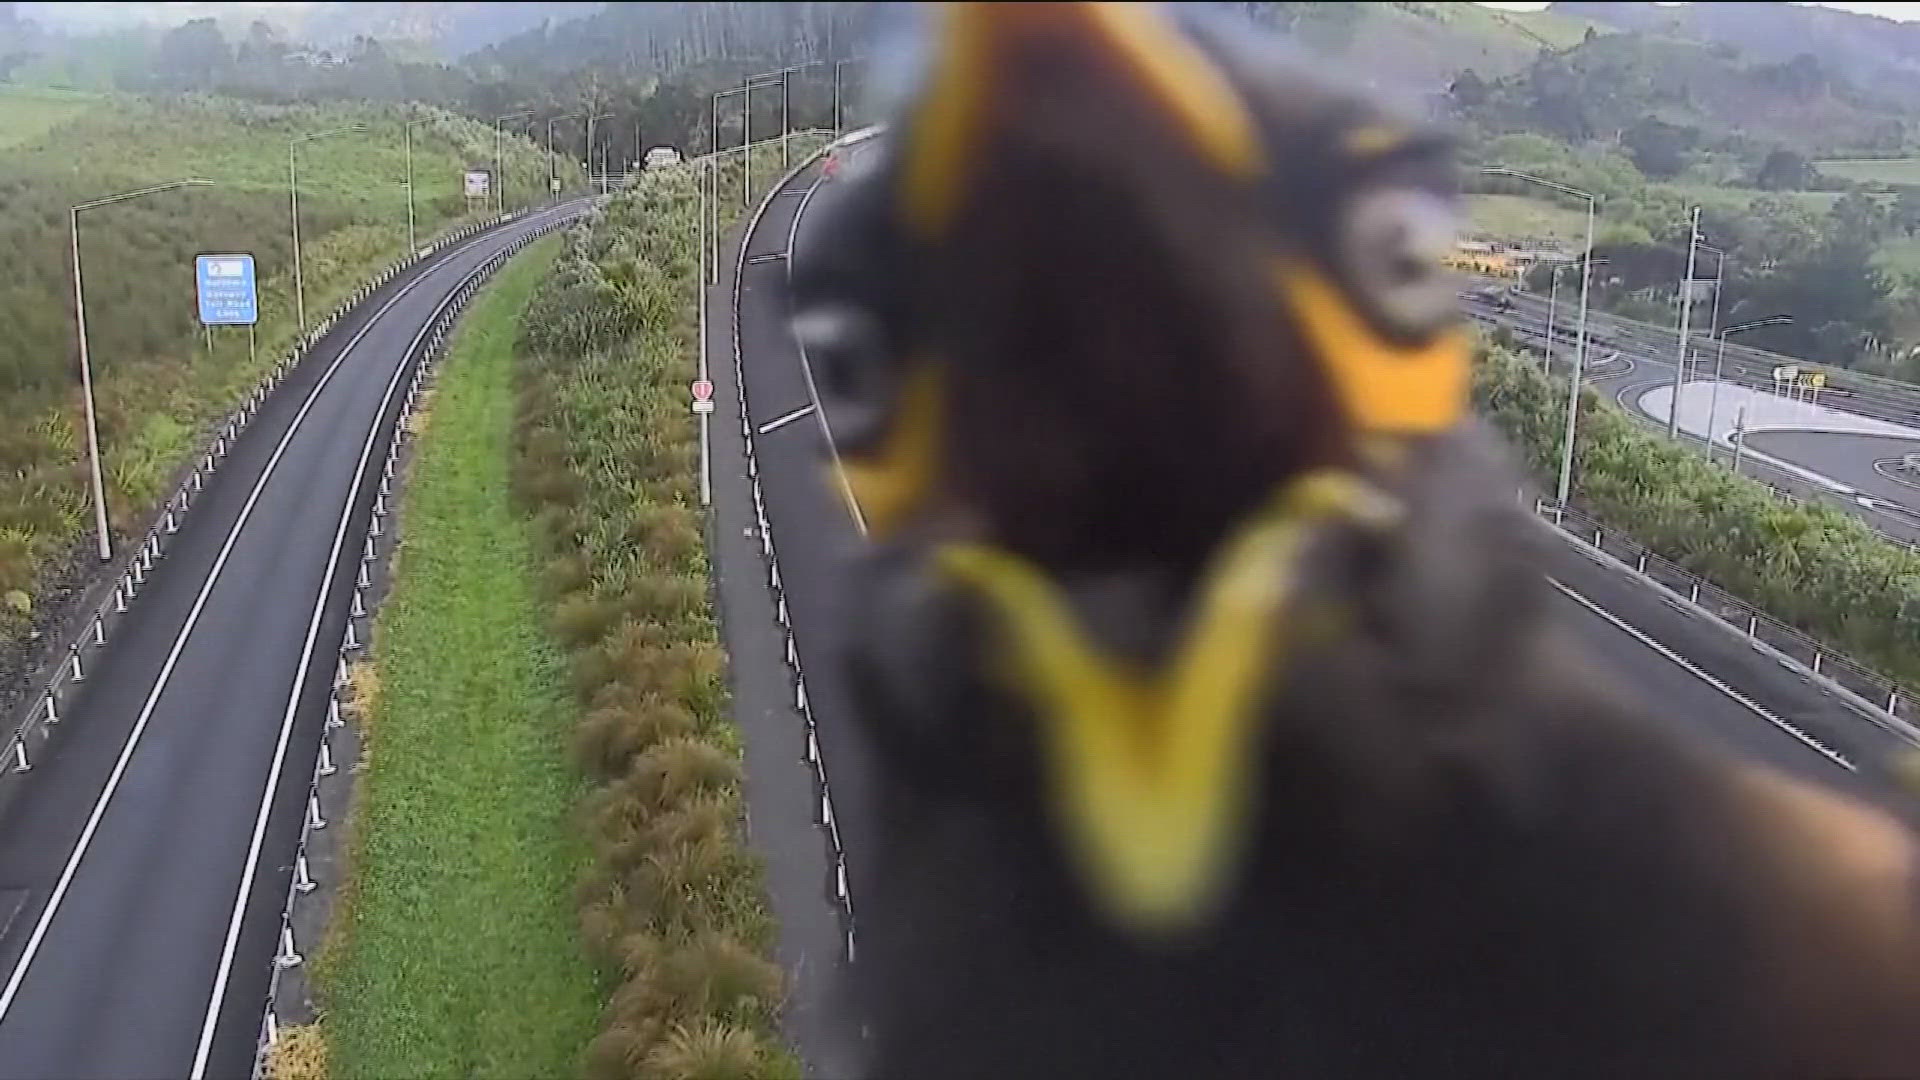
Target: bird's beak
{"x": 993, "y": 59}
{"x": 1149, "y": 771}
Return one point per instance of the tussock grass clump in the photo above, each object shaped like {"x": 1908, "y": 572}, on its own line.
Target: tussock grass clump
{"x": 671, "y": 906}
{"x": 300, "y": 1053}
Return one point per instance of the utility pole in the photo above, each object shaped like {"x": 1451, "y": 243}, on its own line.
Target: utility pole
{"x": 1686, "y": 318}
{"x": 1739, "y": 438}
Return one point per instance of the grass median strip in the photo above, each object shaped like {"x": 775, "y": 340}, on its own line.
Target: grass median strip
{"x": 453, "y": 951}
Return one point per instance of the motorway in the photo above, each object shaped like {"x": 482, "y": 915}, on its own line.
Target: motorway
{"x": 1635, "y": 359}
{"x": 144, "y": 862}
{"x": 1711, "y": 684}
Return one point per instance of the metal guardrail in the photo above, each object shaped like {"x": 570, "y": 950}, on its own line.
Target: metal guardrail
{"x": 1887, "y": 701}
{"x": 286, "y": 953}
{"x": 40, "y": 713}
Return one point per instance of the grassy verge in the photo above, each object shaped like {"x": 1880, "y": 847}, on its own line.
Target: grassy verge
{"x": 454, "y": 951}
{"x": 672, "y": 905}
{"x": 157, "y": 382}
{"x": 1817, "y": 568}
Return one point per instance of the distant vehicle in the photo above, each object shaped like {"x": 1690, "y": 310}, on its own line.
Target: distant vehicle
{"x": 844, "y": 150}
{"x": 661, "y": 156}
{"x": 1499, "y": 296}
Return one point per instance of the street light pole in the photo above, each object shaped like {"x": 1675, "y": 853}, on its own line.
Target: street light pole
{"x": 1565, "y": 487}
{"x": 413, "y": 238}
{"x": 591, "y": 117}
{"x": 293, "y": 199}
{"x": 1686, "y": 317}
{"x": 1564, "y": 491}
{"x": 499, "y": 162}
{"x": 837, "y": 65}
{"x": 103, "y": 540}
{"x": 553, "y": 164}
{"x": 1720, "y": 358}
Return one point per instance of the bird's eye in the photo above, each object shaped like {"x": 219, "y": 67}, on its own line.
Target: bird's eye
{"x": 1392, "y": 246}
{"x": 844, "y": 348}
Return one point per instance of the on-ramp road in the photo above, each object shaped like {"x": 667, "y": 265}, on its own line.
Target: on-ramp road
{"x": 133, "y": 941}
{"x": 1708, "y": 683}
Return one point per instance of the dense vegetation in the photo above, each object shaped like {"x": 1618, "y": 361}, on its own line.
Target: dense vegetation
{"x": 453, "y": 951}
{"x": 652, "y": 65}
{"x": 156, "y": 380}
{"x": 1815, "y": 567}
{"x": 672, "y": 906}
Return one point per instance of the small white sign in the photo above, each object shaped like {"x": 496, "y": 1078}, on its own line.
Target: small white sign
{"x": 703, "y": 406}
{"x": 478, "y": 183}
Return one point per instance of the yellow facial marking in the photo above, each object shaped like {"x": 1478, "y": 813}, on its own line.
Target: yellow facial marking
{"x": 889, "y": 484}
{"x": 1150, "y": 771}
{"x": 1384, "y": 387}
{"x": 974, "y": 41}
{"x": 1372, "y": 140}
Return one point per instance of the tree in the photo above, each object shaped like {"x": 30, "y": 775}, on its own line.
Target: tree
{"x": 193, "y": 56}
{"x": 1785, "y": 170}
{"x": 1657, "y": 147}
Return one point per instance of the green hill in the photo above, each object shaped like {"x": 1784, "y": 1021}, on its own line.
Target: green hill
{"x": 157, "y": 383}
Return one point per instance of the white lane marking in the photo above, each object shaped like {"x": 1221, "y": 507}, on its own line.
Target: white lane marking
{"x": 774, "y": 256}
{"x": 65, "y": 881}
{"x": 782, "y": 421}
{"x": 1692, "y": 669}
{"x": 238, "y": 916}
{"x": 806, "y": 369}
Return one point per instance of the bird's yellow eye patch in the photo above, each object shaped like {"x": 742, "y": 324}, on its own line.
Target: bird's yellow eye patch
{"x": 1149, "y": 770}
{"x": 1372, "y": 140}
{"x": 978, "y": 40}
{"x": 890, "y": 483}
{"x": 1385, "y": 387}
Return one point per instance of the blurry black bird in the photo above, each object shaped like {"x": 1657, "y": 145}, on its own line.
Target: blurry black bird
{"x": 1222, "y": 725}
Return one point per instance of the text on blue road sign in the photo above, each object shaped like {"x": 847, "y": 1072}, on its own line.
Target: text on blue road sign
{"x": 225, "y": 284}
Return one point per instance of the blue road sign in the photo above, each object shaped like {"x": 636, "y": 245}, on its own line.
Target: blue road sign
{"x": 226, "y": 289}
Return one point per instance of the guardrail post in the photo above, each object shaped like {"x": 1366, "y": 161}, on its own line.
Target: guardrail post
{"x": 359, "y": 608}
{"x": 365, "y": 580}
{"x": 52, "y": 709}
{"x": 119, "y": 599}
{"x": 286, "y": 957}
{"x": 314, "y": 820}
{"x": 302, "y": 878}
{"x": 1753, "y": 625}
{"x": 1893, "y": 701}
{"x": 333, "y": 712}
{"x": 325, "y": 766}
{"x": 1643, "y": 563}
{"x": 99, "y": 631}
{"x": 800, "y": 693}
{"x": 349, "y": 642}
{"x": 1693, "y": 593}
{"x": 1816, "y": 661}
{"x": 20, "y": 762}
{"x": 74, "y": 674}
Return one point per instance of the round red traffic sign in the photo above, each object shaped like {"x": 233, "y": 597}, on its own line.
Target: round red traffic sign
{"x": 702, "y": 390}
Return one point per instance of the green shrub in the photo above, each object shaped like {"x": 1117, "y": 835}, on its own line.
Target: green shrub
{"x": 672, "y": 905}
{"x": 1815, "y": 567}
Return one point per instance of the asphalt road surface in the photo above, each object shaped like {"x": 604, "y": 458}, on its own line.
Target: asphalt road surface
{"x": 1645, "y": 363}
{"x": 1709, "y": 683}
{"x": 132, "y": 942}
